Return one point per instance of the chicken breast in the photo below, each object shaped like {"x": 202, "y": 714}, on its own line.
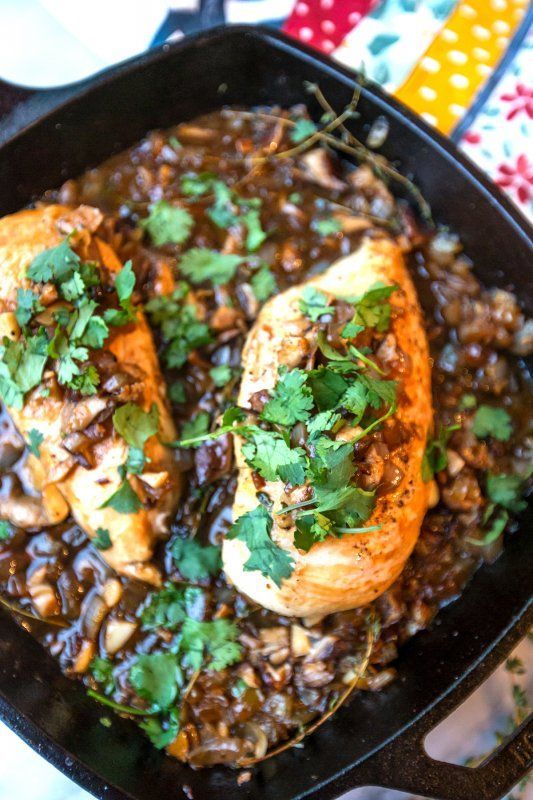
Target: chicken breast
{"x": 339, "y": 573}
{"x": 65, "y": 483}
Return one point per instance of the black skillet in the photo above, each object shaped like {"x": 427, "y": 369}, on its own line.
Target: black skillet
{"x": 378, "y": 738}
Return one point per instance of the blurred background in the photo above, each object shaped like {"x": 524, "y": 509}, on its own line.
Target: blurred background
{"x": 464, "y": 65}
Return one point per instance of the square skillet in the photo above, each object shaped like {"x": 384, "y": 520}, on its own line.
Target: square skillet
{"x": 377, "y": 738}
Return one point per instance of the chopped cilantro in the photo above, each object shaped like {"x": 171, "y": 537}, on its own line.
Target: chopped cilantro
{"x": 28, "y": 305}
{"x": 21, "y": 367}
{"x": 255, "y": 235}
{"x": 214, "y": 640}
{"x": 197, "y": 185}
{"x": 291, "y": 400}
{"x": 5, "y": 530}
{"x": 327, "y": 226}
{"x": 468, "y": 401}
{"x": 497, "y": 527}
{"x": 221, "y": 375}
{"x": 372, "y": 309}
{"x": 267, "y": 452}
{"x": 56, "y": 264}
{"x": 222, "y": 212}
{"x": 231, "y": 415}
{"x": 170, "y": 606}
{"x": 253, "y": 528}
{"x": 176, "y": 392}
{"x": 167, "y": 224}
{"x": 135, "y": 425}
{"x": 303, "y": 128}
{"x": 124, "y": 286}
{"x": 180, "y": 328}
{"x": 156, "y": 677}
{"x": 435, "y": 457}
{"x": 124, "y": 500}
{"x": 506, "y": 490}
{"x": 195, "y": 561}
{"x": 490, "y": 421}
{"x": 162, "y": 732}
{"x": 102, "y": 671}
{"x": 35, "y": 439}
{"x": 263, "y": 283}
{"x": 196, "y": 427}
{"x": 102, "y": 539}
{"x": 314, "y": 303}
{"x": 295, "y": 198}
{"x": 201, "y": 264}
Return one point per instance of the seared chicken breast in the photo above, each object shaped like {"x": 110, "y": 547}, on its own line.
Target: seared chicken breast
{"x": 68, "y": 479}
{"x": 350, "y": 571}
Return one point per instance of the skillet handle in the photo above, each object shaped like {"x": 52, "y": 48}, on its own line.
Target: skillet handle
{"x": 403, "y": 764}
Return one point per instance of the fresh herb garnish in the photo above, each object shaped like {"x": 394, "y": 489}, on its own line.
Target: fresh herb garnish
{"x": 28, "y": 305}
{"x": 214, "y": 641}
{"x": 195, "y": 561}
{"x": 201, "y": 264}
{"x": 180, "y": 328}
{"x": 253, "y": 528}
{"x": 35, "y": 439}
{"x": 314, "y": 303}
{"x": 196, "y": 428}
{"x": 291, "y": 400}
{"x": 327, "y": 226}
{"x": 5, "y": 530}
{"x": 157, "y": 678}
{"x": 170, "y": 606}
{"x": 124, "y": 500}
{"x": 135, "y": 425}
{"x": 167, "y": 224}
{"x": 102, "y": 539}
{"x": 435, "y": 456}
{"x": 221, "y": 375}
{"x": 303, "y": 128}
{"x": 102, "y": 671}
{"x": 506, "y": 491}
{"x": 263, "y": 283}
{"x": 491, "y": 421}
{"x": 124, "y": 286}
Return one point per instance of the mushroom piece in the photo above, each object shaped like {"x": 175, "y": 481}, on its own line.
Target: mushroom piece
{"x": 117, "y": 633}
{"x": 318, "y": 168}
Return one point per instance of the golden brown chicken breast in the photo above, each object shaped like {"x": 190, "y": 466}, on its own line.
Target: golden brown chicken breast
{"x": 350, "y": 570}
{"x": 81, "y": 382}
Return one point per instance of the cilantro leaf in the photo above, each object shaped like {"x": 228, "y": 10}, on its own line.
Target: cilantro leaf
{"x": 170, "y": 606}
{"x": 435, "y": 458}
{"x": 505, "y": 490}
{"x": 195, "y": 561}
{"x": 57, "y": 263}
{"x": 221, "y": 375}
{"x": 215, "y": 640}
{"x": 156, "y": 677}
{"x": 327, "y": 227}
{"x": 196, "y": 427}
{"x": 179, "y": 325}
{"x": 167, "y": 224}
{"x": 201, "y": 264}
{"x": 328, "y": 387}
{"x": 73, "y": 288}
{"x": 176, "y": 392}
{"x": 491, "y": 421}
{"x": 102, "y": 539}
{"x": 256, "y": 235}
{"x": 135, "y": 461}
{"x": 266, "y": 452}
{"x": 162, "y": 732}
{"x": 253, "y": 528}
{"x": 28, "y": 305}
{"x": 291, "y": 400}
{"x": 135, "y": 425}
{"x": 372, "y": 309}
{"x": 197, "y": 185}
{"x": 102, "y": 671}
{"x": 5, "y": 530}
{"x": 324, "y": 421}
{"x": 124, "y": 500}
{"x": 124, "y": 286}
{"x": 21, "y": 367}
{"x": 263, "y": 284}
{"x": 86, "y": 382}
{"x": 222, "y": 212}
{"x": 303, "y": 128}
{"x": 34, "y": 441}
{"x": 314, "y": 303}
{"x": 497, "y": 527}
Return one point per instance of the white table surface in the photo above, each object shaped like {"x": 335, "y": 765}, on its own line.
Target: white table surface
{"x": 24, "y": 775}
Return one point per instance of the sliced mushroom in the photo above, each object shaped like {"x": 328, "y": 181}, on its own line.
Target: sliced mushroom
{"x": 318, "y": 167}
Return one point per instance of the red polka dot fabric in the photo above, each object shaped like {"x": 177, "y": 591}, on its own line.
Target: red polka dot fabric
{"x": 323, "y": 24}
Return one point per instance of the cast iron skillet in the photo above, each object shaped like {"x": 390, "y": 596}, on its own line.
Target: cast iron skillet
{"x": 378, "y": 738}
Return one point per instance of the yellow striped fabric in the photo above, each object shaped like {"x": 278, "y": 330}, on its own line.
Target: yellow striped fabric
{"x": 456, "y": 64}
